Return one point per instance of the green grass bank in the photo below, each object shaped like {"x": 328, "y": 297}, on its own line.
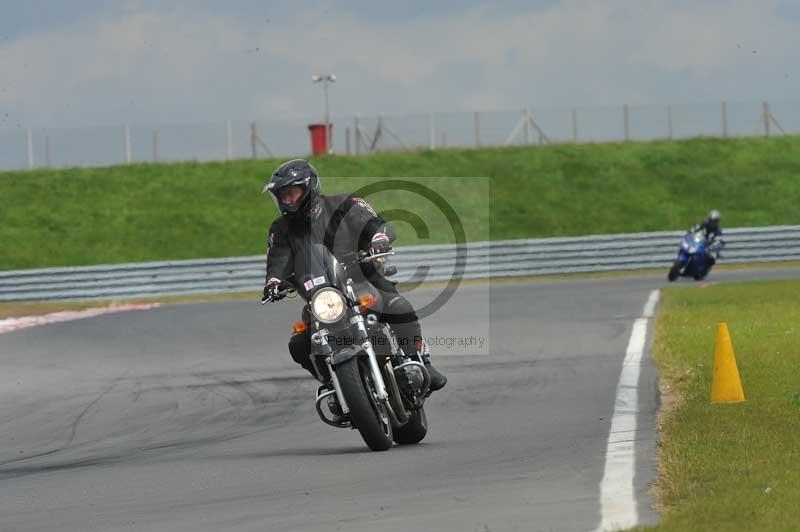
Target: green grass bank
{"x": 730, "y": 466}
{"x": 190, "y": 210}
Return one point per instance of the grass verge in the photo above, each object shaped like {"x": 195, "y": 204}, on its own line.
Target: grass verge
{"x": 730, "y": 467}
{"x": 144, "y": 212}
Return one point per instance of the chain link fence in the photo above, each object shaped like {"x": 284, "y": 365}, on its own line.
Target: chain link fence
{"x": 22, "y": 147}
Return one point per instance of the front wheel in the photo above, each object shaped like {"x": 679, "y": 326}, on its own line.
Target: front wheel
{"x": 675, "y": 271}
{"x": 414, "y": 430}
{"x": 367, "y": 413}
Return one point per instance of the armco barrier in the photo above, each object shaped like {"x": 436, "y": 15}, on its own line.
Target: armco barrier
{"x": 507, "y": 258}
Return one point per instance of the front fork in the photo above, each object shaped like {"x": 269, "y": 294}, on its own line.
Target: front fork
{"x": 683, "y": 259}
{"x": 321, "y": 339}
{"x": 399, "y": 417}
{"x": 372, "y": 358}
{"x": 366, "y": 345}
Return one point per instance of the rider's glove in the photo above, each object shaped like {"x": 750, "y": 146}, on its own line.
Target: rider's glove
{"x": 379, "y": 244}
{"x": 272, "y": 291}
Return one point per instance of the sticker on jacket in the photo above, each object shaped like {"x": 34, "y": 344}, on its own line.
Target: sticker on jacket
{"x": 316, "y": 209}
{"x": 319, "y": 280}
{"x": 308, "y": 285}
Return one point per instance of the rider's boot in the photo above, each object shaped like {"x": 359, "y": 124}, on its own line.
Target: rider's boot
{"x": 438, "y": 380}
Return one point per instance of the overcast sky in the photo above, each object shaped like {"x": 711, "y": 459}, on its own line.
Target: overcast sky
{"x": 67, "y": 63}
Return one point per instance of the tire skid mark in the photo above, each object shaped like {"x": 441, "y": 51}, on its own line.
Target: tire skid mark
{"x": 159, "y": 421}
{"x": 76, "y": 422}
{"x": 131, "y": 455}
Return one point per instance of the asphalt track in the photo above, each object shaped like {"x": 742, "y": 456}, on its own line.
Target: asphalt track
{"x": 193, "y": 417}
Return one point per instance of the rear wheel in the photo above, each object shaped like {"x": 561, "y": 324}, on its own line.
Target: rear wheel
{"x": 675, "y": 271}
{"x": 414, "y": 431}
{"x": 367, "y": 413}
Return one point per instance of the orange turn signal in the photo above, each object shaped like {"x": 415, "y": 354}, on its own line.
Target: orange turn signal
{"x": 300, "y": 327}
{"x": 367, "y": 300}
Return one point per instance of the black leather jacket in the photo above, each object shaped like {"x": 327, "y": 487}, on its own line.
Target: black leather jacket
{"x": 712, "y": 230}
{"x": 343, "y": 223}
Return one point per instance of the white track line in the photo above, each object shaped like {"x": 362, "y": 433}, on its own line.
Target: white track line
{"x": 617, "y": 496}
{"x": 14, "y": 324}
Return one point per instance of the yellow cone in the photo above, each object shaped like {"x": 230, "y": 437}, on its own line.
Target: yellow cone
{"x": 726, "y": 386}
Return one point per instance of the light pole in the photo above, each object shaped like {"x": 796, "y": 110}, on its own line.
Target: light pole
{"x": 330, "y": 78}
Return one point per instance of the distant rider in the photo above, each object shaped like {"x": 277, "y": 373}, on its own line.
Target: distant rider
{"x": 306, "y": 219}
{"x": 713, "y": 233}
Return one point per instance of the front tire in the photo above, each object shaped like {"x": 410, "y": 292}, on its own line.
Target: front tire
{"x": 675, "y": 271}
{"x": 366, "y": 413}
{"x": 414, "y": 430}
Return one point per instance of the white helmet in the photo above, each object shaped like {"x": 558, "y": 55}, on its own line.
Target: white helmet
{"x": 713, "y": 215}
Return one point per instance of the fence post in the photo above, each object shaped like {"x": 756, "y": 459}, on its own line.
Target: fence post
{"x": 127, "y": 144}
{"x": 527, "y": 128}
{"x": 228, "y": 140}
{"x": 724, "y": 118}
{"x": 765, "y": 114}
{"x": 626, "y": 117}
{"x": 669, "y": 122}
{"x": 477, "y": 122}
{"x": 431, "y": 131}
{"x": 574, "y": 125}
{"x": 47, "y": 151}
{"x": 29, "y": 137}
{"x": 347, "y": 140}
{"x": 253, "y": 137}
{"x": 356, "y": 135}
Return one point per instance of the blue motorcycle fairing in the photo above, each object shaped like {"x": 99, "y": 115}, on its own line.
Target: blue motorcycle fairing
{"x": 692, "y": 254}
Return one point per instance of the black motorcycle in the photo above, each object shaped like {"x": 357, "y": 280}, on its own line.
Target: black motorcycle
{"x": 369, "y": 382}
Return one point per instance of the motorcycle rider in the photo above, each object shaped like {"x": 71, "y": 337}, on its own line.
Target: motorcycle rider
{"x": 342, "y": 223}
{"x": 713, "y": 232}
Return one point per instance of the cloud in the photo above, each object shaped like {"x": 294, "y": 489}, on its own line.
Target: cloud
{"x": 147, "y": 64}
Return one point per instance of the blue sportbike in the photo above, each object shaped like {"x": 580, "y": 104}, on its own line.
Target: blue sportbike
{"x": 696, "y": 256}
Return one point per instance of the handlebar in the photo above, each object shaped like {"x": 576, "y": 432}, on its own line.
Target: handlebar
{"x": 366, "y": 257}
{"x": 280, "y": 295}
{"x": 362, "y": 257}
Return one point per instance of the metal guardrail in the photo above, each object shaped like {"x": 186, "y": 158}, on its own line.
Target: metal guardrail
{"x": 507, "y": 258}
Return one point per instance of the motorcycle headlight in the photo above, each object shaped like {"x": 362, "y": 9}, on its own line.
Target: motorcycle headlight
{"x": 327, "y": 305}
